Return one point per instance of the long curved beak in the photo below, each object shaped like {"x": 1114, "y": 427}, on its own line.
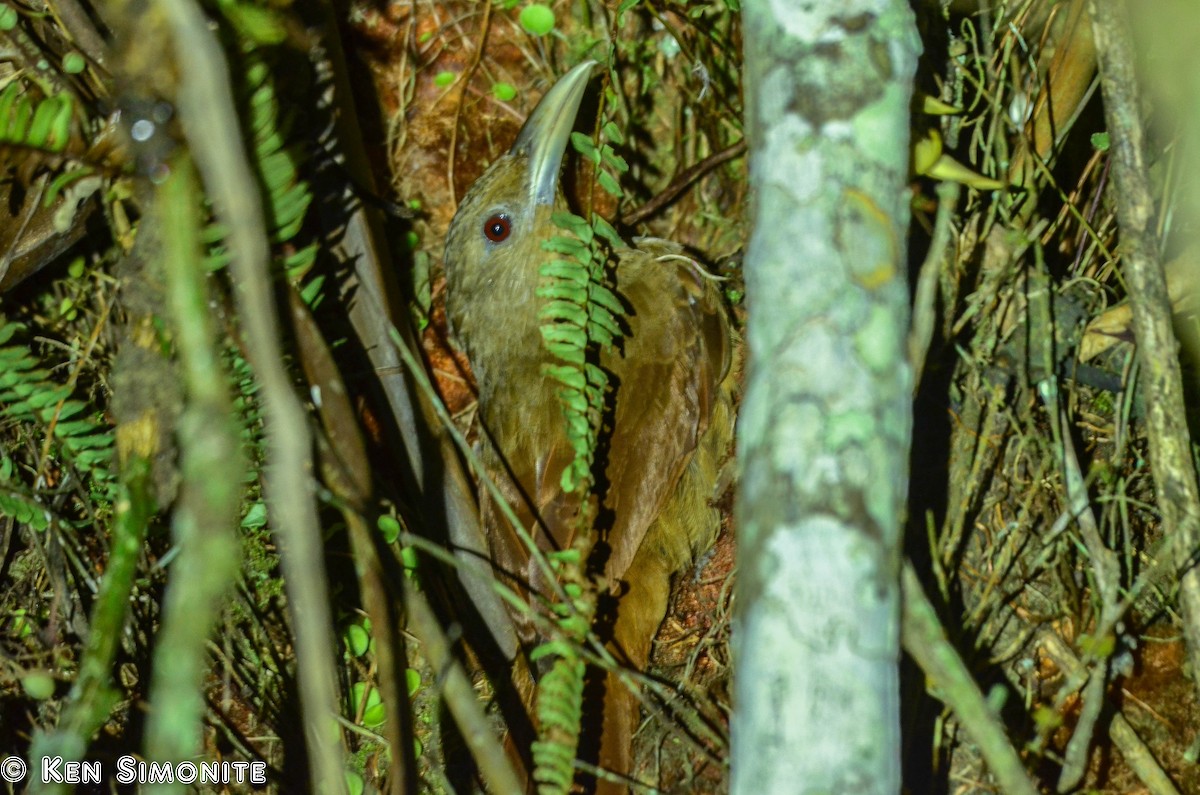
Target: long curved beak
{"x": 543, "y": 139}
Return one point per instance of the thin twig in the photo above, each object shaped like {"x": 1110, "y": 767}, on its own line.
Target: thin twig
{"x": 465, "y": 80}
{"x": 925, "y": 640}
{"x": 84, "y": 34}
{"x": 1136, "y": 753}
{"x": 213, "y": 130}
{"x": 680, "y": 183}
{"x": 204, "y": 522}
{"x": 460, "y": 696}
{"x": 1166, "y": 425}
{"x": 925, "y": 304}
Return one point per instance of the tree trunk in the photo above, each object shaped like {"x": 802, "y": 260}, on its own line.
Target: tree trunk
{"x": 826, "y": 420}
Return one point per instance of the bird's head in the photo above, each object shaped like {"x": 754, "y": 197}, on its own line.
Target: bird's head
{"x": 503, "y": 218}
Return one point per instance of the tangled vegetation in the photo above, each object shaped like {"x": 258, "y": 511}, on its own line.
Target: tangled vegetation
{"x": 153, "y": 430}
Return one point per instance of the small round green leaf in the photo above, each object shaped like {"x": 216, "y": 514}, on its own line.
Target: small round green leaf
{"x": 357, "y": 640}
{"x": 389, "y": 527}
{"x": 409, "y": 559}
{"x": 443, "y": 79}
{"x": 73, "y": 63}
{"x": 21, "y": 625}
{"x": 504, "y": 92}
{"x": 8, "y": 17}
{"x": 38, "y": 685}
{"x": 256, "y": 516}
{"x": 367, "y": 700}
{"x": 537, "y": 19}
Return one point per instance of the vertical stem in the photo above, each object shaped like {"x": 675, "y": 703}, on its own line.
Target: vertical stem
{"x": 211, "y": 124}
{"x": 1158, "y": 350}
{"x": 205, "y": 518}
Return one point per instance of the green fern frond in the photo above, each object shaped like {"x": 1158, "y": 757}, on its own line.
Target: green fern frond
{"x": 286, "y": 196}
{"x": 16, "y": 502}
{"x": 580, "y": 317}
{"x": 559, "y": 704}
{"x": 43, "y": 124}
{"x": 79, "y": 436}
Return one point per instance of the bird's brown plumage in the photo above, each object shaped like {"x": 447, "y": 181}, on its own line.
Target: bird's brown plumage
{"x": 673, "y": 380}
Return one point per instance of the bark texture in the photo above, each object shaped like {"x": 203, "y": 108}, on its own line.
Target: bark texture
{"x": 826, "y": 421}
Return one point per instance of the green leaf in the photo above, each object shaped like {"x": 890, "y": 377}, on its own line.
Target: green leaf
{"x": 566, "y": 245}
{"x": 298, "y": 263}
{"x": 572, "y": 222}
{"x": 409, "y": 559}
{"x": 561, "y": 648}
{"x": 357, "y": 640}
{"x": 259, "y": 24}
{"x": 604, "y": 297}
{"x": 389, "y": 528}
{"x": 62, "y": 181}
{"x": 564, "y": 333}
{"x": 504, "y": 92}
{"x": 311, "y": 291}
{"x": 571, "y": 354}
{"x": 63, "y": 429}
{"x": 564, "y": 310}
{"x": 370, "y": 702}
{"x": 536, "y": 19}
{"x": 565, "y": 270}
{"x": 38, "y": 685}
{"x": 256, "y": 516}
{"x": 601, "y": 335}
{"x": 568, "y": 376}
{"x": 609, "y": 183}
{"x": 562, "y": 557}
{"x": 49, "y": 397}
{"x": 73, "y": 63}
{"x": 7, "y": 331}
{"x": 606, "y": 231}
{"x": 625, "y": 6}
{"x": 579, "y": 428}
{"x": 567, "y": 291}
{"x": 51, "y": 123}
{"x": 613, "y": 133}
{"x": 573, "y": 400}
{"x": 443, "y": 79}
{"x": 597, "y": 376}
{"x": 613, "y": 160}
{"x": 585, "y": 146}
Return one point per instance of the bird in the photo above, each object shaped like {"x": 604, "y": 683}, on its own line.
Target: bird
{"x": 673, "y": 379}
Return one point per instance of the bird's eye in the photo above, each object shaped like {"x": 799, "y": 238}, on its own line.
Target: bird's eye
{"x": 497, "y": 228}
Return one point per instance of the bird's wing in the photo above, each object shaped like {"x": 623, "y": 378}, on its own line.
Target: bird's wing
{"x": 676, "y": 354}
{"x": 529, "y": 479}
